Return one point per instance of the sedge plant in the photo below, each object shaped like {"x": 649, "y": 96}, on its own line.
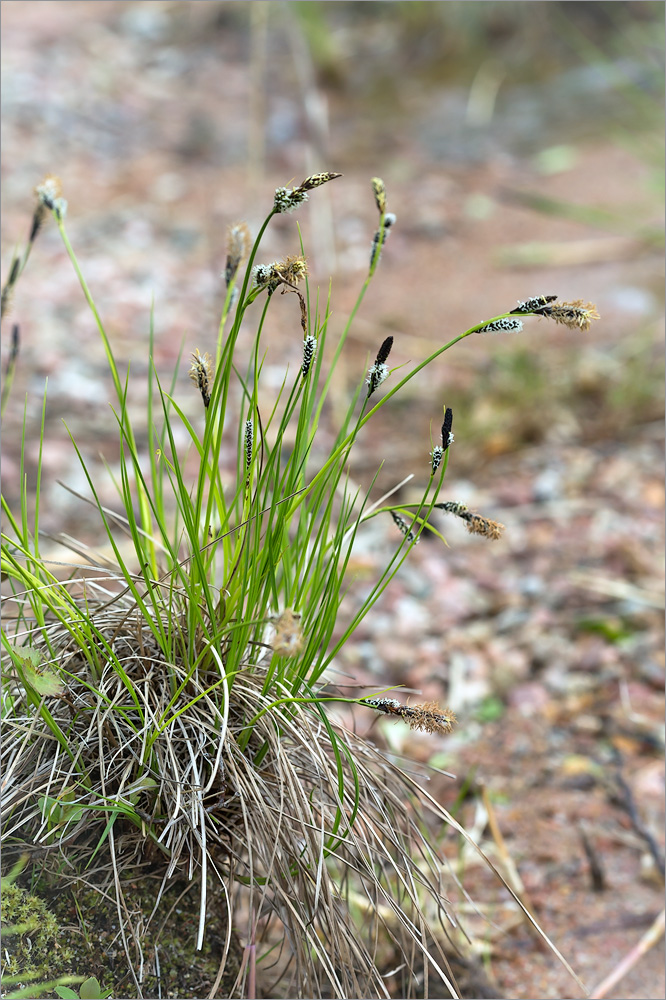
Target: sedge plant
{"x": 166, "y": 706}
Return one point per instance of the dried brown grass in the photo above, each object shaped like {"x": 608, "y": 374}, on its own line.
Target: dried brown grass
{"x": 318, "y": 834}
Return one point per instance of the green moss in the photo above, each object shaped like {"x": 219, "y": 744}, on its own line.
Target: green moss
{"x": 31, "y": 938}
{"x": 78, "y": 932}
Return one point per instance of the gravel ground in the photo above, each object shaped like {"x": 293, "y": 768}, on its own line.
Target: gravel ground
{"x": 168, "y": 121}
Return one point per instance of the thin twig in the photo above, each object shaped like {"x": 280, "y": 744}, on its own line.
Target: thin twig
{"x": 649, "y": 939}
{"x": 626, "y": 800}
{"x": 513, "y": 876}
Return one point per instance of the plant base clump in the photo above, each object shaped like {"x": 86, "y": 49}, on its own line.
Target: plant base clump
{"x": 312, "y": 827}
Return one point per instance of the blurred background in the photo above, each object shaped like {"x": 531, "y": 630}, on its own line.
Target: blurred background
{"x": 522, "y": 149}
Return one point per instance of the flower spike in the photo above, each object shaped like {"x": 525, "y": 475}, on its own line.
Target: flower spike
{"x": 379, "y": 371}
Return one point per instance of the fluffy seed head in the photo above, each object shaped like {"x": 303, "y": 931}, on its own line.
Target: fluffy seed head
{"x": 287, "y": 199}
{"x": 201, "y": 373}
{"x": 49, "y": 190}
{"x": 428, "y": 716}
{"x": 49, "y": 196}
{"x": 475, "y": 523}
{"x": 575, "y": 315}
{"x": 292, "y": 269}
{"x": 289, "y": 639}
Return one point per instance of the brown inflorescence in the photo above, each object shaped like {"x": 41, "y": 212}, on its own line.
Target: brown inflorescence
{"x": 201, "y": 373}
{"x": 316, "y": 180}
{"x": 428, "y": 716}
{"x": 379, "y": 190}
{"x": 288, "y": 271}
{"x": 289, "y": 639}
{"x": 238, "y": 247}
{"x": 476, "y": 524}
{"x": 437, "y": 453}
{"x": 575, "y": 315}
{"x": 49, "y": 196}
{"x": 249, "y": 442}
{"x": 287, "y": 199}
{"x": 404, "y": 527}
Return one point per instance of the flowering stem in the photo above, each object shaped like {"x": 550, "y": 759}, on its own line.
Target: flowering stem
{"x": 364, "y": 419}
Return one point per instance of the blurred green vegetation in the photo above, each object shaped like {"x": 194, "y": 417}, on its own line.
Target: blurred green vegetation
{"x": 522, "y": 396}
{"x": 444, "y": 41}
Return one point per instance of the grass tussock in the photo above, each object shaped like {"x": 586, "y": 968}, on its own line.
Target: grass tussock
{"x": 167, "y": 713}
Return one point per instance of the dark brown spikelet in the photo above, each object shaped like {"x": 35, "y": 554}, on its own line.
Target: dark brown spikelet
{"x": 316, "y": 180}
{"x": 384, "y": 351}
{"x": 447, "y": 436}
{"x": 381, "y": 235}
{"x": 249, "y": 442}
{"x": 8, "y": 290}
{"x": 404, "y": 527}
{"x": 37, "y": 221}
{"x": 14, "y": 349}
{"x": 13, "y": 353}
{"x": 389, "y": 706}
{"x": 379, "y": 371}
{"x": 534, "y": 304}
